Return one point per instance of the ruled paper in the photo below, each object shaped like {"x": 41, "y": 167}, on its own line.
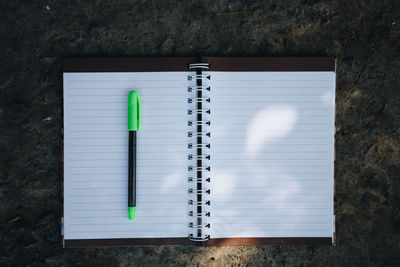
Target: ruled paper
{"x": 96, "y": 155}
{"x": 272, "y": 154}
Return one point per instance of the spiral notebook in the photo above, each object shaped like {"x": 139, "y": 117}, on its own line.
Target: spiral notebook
{"x": 231, "y": 151}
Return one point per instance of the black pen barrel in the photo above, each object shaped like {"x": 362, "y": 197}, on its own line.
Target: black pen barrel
{"x": 132, "y": 170}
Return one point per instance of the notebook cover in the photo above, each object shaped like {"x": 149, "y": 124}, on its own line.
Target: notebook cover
{"x": 144, "y": 64}
{"x": 125, "y": 242}
{"x": 270, "y": 63}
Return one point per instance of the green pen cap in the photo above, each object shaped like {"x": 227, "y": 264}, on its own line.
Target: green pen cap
{"x": 133, "y": 111}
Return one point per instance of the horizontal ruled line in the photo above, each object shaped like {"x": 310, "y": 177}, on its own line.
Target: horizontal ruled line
{"x": 280, "y": 230}
{"x": 245, "y": 131}
{"x": 265, "y": 209}
{"x": 126, "y": 166}
{"x": 280, "y": 145}
{"x": 302, "y": 158}
{"x": 117, "y": 195}
{"x": 125, "y": 80}
{"x": 281, "y": 172}
{"x": 113, "y": 109}
{"x": 96, "y": 109}
{"x": 115, "y": 131}
{"x": 127, "y": 223}
{"x": 102, "y": 173}
{"x": 161, "y": 116}
{"x": 124, "y": 202}
{"x": 103, "y": 124}
{"x": 122, "y": 159}
{"x": 272, "y": 194}
{"x": 287, "y": 138}
{"x": 267, "y": 80}
{"x": 108, "y": 180}
{"x": 275, "y": 152}
{"x": 277, "y": 201}
{"x": 246, "y": 116}
{"x": 106, "y": 152}
{"x": 104, "y": 202}
{"x": 106, "y": 209}
{"x": 113, "y": 216}
{"x": 107, "y": 145}
{"x": 241, "y": 109}
{"x": 120, "y": 123}
{"x": 126, "y": 231}
{"x": 288, "y": 215}
{"x": 116, "y": 138}
{"x": 281, "y": 223}
{"x": 249, "y": 93}
{"x": 268, "y": 87}
{"x": 270, "y": 101}
{"x": 284, "y": 123}
{"x": 122, "y": 102}
{"x": 124, "y": 95}
{"x": 261, "y": 164}
{"x": 121, "y": 187}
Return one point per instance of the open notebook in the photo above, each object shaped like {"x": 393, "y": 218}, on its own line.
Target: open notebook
{"x": 234, "y": 151}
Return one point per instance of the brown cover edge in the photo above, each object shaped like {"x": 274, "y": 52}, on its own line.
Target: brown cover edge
{"x": 123, "y": 242}
{"x": 270, "y": 63}
{"x": 126, "y": 64}
{"x": 269, "y": 241}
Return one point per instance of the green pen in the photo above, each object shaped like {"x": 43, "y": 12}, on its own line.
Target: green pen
{"x": 133, "y": 126}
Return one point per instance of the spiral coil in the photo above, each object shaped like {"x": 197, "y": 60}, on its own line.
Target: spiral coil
{"x": 199, "y": 88}
{"x": 199, "y": 154}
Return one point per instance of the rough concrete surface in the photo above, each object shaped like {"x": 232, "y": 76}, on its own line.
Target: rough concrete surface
{"x": 364, "y": 35}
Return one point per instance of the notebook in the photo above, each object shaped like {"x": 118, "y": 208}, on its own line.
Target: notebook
{"x": 231, "y": 151}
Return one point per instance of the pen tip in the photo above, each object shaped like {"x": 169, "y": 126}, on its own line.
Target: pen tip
{"x": 131, "y": 212}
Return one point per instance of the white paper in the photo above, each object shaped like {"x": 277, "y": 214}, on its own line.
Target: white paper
{"x": 272, "y": 154}
{"x": 96, "y": 155}
{"x": 272, "y": 149}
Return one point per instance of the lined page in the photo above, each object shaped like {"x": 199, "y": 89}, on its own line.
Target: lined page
{"x": 96, "y": 155}
{"x": 272, "y": 154}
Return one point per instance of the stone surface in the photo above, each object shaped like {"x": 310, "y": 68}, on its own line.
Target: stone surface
{"x": 364, "y": 35}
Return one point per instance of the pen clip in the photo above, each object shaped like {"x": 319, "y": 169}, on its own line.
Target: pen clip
{"x": 138, "y": 112}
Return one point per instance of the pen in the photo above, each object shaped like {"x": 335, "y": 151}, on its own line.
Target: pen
{"x": 133, "y": 127}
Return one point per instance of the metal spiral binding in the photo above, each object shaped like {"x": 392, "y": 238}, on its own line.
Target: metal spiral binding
{"x": 199, "y": 76}
{"x": 199, "y": 66}
{"x": 191, "y": 168}
{"x": 196, "y": 180}
{"x": 199, "y": 203}
{"x": 199, "y": 99}
{"x": 206, "y": 191}
{"x": 190, "y": 123}
{"x": 205, "y": 156}
{"x": 190, "y": 134}
{"x": 191, "y": 225}
{"x": 191, "y": 145}
{"x": 199, "y": 147}
{"x": 193, "y": 214}
{"x": 199, "y": 88}
{"x": 190, "y": 112}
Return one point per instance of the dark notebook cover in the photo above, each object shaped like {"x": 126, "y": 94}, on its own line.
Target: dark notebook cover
{"x": 155, "y": 64}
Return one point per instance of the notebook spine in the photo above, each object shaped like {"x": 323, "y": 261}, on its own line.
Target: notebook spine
{"x": 199, "y": 153}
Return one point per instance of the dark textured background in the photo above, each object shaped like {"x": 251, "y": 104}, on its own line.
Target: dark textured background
{"x": 364, "y": 35}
